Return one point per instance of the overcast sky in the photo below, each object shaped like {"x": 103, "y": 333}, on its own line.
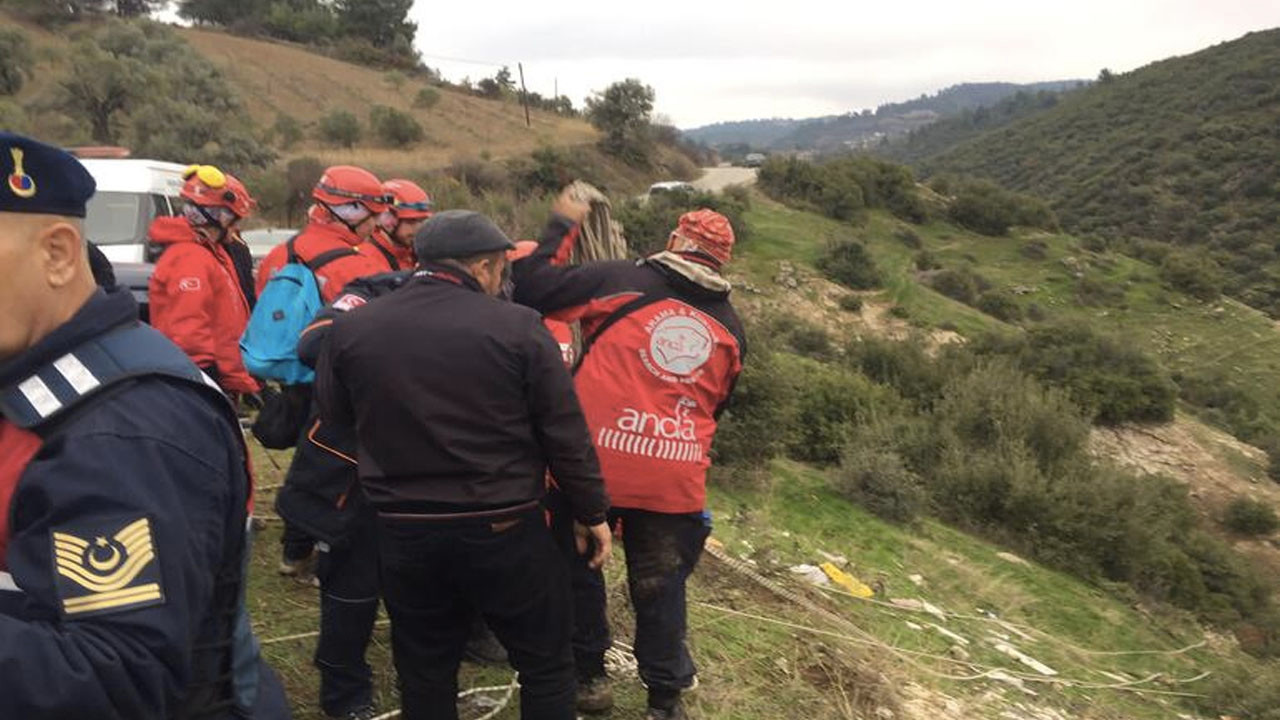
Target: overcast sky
{"x": 713, "y": 60}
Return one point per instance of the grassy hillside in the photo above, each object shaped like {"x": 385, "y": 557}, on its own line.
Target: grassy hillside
{"x": 815, "y": 654}
{"x": 274, "y": 78}
{"x": 1181, "y": 151}
{"x": 269, "y": 80}
{"x": 1225, "y": 345}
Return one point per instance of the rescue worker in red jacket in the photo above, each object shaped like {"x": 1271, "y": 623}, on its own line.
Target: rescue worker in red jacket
{"x": 348, "y": 201}
{"x": 661, "y": 353}
{"x": 392, "y": 243}
{"x": 195, "y": 294}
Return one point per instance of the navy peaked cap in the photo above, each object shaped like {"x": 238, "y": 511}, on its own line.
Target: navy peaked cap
{"x": 41, "y": 179}
{"x": 456, "y": 234}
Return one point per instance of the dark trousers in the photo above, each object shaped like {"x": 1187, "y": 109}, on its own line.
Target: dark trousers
{"x": 436, "y": 576}
{"x": 662, "y": 550}
{"x": 349, "y": 590}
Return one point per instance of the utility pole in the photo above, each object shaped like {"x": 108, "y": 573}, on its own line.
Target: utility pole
{"x": 524, "y": 96}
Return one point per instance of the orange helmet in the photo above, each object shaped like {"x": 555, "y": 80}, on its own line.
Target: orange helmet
{"x": 209, "y": 187}
{"x": 408, "y": 200}
{"x": 346, "y": 185}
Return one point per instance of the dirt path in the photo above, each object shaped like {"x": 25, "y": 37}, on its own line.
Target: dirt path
{"x": 718, "y": 178}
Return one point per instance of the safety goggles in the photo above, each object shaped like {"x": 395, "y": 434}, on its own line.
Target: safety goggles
{"x": 208, "y": 174}
{"x": 353, "y": 213}
{"x": 383, "y": 199}
{"x": 198, "y": 215}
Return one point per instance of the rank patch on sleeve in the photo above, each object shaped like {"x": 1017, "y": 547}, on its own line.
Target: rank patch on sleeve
{"x": 101, "y": 572}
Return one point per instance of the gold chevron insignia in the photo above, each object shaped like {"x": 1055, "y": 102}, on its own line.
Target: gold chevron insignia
{"x": 107, "y": 573}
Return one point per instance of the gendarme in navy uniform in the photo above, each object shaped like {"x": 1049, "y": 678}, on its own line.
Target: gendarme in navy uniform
{"x": 123, "y": 487}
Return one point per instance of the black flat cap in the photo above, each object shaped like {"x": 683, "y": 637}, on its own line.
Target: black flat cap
{"x": 458, "y": 234}
{"x": 41, "y": 179}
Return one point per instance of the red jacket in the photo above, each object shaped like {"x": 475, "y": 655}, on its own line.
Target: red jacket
{"x": 196, "y": 301}
{"x": 663, "y": 350}
{"x": 389, "y": 254}
{"x": 317, "y": 238}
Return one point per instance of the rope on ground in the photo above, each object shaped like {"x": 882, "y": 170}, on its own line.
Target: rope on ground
{"x": 865, "y": 638}
{"x": 986, "y": 671}
{"x": 1021, "y": 626}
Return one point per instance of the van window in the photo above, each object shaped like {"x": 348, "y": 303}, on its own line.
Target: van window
{"x": 122, "y": 218}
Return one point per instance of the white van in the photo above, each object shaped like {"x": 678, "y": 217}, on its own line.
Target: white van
{"x": 131, "y": 193}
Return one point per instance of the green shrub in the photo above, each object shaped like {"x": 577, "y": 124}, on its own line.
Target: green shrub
{"x": 1271, "y": 445}
{"x": 851, "y": 303}
{"x": 1095, "y": 291}
{"x": 1250, "y": 517}
{"x": 988, "y": 209}
{"x": 1242, "y": 692}
{"x": 809, "y": 339}
{"x": 287, "y": 131}
{"x": 843, "y": 187}
{"x": 396, "y": 128}
{"x": 395, "y": 79}
{"x": 926, "y": 261}
{"x": 830, "y": 400}
{"x": 960, "y": 284}
{"x": 1222, "y": 398}
{"x": 16, "y": 60}
{"x": 1034, "y": 250}
{"x": 755, "y": 426}
{"x": 1000, "y": 305}
{"x": 1112, "y": 380}
{"x": 426, "y": 98}
{"x": 902, "y": 312}
{"x": 1195, "y": 274}
{"x": 879, "y": 480}
{"x": 340, "y": 128}
{"x": 848, "y": 263}
{"x": 909, "y": 238}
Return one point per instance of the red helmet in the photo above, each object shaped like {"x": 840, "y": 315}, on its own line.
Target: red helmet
{"x": 207, "y": 186}
{"x": 345, "y": 184}
{"x": 408, "y": 200}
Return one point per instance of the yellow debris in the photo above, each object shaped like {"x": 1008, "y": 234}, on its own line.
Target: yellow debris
{"x": 846, "y": 581}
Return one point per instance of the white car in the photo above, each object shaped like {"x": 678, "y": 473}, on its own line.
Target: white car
{"x": 671, "y": 186}
{"x": 131, "y": 193}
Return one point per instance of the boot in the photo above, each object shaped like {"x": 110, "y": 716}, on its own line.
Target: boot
{"x": 595, "y": 695}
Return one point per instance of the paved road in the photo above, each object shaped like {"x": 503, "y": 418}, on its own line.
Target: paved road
{"x": 718, "y": 178}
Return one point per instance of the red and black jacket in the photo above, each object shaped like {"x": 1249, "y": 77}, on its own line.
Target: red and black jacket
{"x": 662, "y": 350}
{"x": 461, "y": 401}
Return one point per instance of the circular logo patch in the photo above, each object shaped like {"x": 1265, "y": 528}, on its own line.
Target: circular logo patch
{"x": 681, "y": 344}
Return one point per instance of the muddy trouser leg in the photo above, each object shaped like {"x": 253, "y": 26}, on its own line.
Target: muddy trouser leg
{"x": 662, "y": 551}
{"x": 590, "y": 612}
{"x": 348, "y": 608}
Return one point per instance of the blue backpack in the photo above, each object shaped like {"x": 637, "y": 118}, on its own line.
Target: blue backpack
{"x": 288, "y": 303}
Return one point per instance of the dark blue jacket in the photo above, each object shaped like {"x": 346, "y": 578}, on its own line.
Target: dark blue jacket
{"x": 123, "y": 530}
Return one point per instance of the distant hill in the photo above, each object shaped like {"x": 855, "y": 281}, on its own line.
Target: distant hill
{"x": 948, "y": 132}
{"x": 1182, "y": 151}
{"x": 833, "y": 132}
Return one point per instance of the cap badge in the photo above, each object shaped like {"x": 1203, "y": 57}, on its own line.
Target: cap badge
{"x": 22, "y": 184}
